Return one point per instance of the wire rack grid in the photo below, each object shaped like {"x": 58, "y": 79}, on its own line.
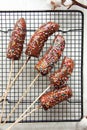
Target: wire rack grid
{"x": 71, "y": 27}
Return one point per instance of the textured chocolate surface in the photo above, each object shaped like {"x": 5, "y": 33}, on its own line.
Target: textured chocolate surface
{"x": 38, "y": 39}
{"x": 51, "y": 98}
{"x": 15, "y": 46}
{"x": 61, "y": 76}
{"x": 53, "y": 54}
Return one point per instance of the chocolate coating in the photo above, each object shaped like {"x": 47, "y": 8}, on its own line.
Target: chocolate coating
{"x": 15, "y": 46}
{"x": 53, "y": 54}
{"x": 50, "y": 99}
{"x": 61, "y": 76}
{"x": 38, "y": 39}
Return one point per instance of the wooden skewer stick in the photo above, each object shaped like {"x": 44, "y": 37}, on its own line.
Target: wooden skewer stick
{"x": 21, "y": 69}
{"x": 24, "y": 115}
{"x": 10, "y": 85}
{"x": 20, "y": 99}
{"x": 5, "y": 95}
{"x": 38, "y": 107}
{"x": 33, "y": 102}
{"x": 10, "y": 74}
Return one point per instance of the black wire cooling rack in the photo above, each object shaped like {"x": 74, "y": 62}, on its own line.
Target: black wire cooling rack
{"x": 71, "y": 27}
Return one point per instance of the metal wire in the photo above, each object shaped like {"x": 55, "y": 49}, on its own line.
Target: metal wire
{"x": 71, "y": 27}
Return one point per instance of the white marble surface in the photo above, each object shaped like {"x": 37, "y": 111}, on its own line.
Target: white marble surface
{"x": 41, "y": 5}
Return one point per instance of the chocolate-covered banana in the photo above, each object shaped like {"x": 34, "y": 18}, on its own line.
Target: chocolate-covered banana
{"x": 15, "y": 46}
{"x": 38, "y": 39}
{"x": 53, "y": 54}
{"x": 51, "y": 98}
{"x": 61, "y": 76}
